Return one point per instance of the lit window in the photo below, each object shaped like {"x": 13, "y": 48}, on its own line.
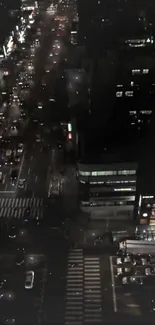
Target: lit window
{"x": 119, "y": 93}
{"x": 124, "y": 189}
{"x": 84, "y": 173}
{"x": 146, "y": 112}
{"x": 129, "y": 93}
{"x": 126, "y": 172}
{"x": 145, "y": 71}
{"x": 104, "y": 173}
{"x": 132, "y": 112}
{"x": 135, "y": 71}
{"x": 119, "y": 86}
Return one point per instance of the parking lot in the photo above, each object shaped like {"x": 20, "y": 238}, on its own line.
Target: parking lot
{"x": 24, "y": 305}
{"x": 133, "y": 279}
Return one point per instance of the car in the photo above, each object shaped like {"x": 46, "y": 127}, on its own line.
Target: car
{"x": 123, "y": 270}
{"x": 1, "y": 178}
{"x": 20, "y": 148}
{"x": 17, "y": 159}
{"x": 2, "y": 283}
{"x": 137, "y": 280}
{"x": 13, "y": 232}
{"x": 119, "y": 270}
{"x": 20, "y": 259}
{"x": 21, "y": 183}
{"x": 132, "y": 280}
{"x": 118, "y": 261}
{"x": 9, "y": 161}
{"x": 29, "y": 281}
{"x": 8, "y": 153}
{"x": 14, "y": 174}
{"x": 127, "y": 259}
{"x": 40, "y": 106}
{"x": 144, "y": 261}
{"x": 149, "y": 271}
{"x": 9, "y": 321}
{"x": 38, "y": 138}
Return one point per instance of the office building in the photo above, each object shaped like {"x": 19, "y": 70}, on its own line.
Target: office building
{"x": 108, "y": 189}
{"x": 135, "y": 90}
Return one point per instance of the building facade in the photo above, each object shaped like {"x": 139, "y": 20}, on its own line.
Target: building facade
{"x": 107, "y": 190}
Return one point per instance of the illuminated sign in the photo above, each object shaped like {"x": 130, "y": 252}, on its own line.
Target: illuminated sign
{"x": 69, "y": 127}
{"x": 70, "y": 136}
{"x": 143, "y": 221}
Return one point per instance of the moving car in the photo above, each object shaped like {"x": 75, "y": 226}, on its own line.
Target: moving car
{"x": 21, "y": 183}
{"x": 2, "y": 283}
{"x": 13, "y": 176}
{"x": 13, "y": 232}
{"x": 20, "y": 148}
{"x": 38, "y": 138}
{"x": 29, "y": 280}
{"x": 10, "y": 321}
{"x": 20, "y": 259}
{"x": 17, "y": 159}
{"x": 1, "y": 178}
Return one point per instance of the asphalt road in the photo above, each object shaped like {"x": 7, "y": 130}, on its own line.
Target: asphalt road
{"x": 73, "y": 285}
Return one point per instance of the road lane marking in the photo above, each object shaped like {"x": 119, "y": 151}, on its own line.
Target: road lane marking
{"x": 20, "y": 170}
{"x": 42, "y": 295}
{"x": 5, "y": 188}
{"x": 5, "y": 192}
{"x": 113, "y": 285}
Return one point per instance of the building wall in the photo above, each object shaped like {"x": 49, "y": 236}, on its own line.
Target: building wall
{"x": 107, "y": 190}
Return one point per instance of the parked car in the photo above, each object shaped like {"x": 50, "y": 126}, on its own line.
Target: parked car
{"x": 29, "y": 281}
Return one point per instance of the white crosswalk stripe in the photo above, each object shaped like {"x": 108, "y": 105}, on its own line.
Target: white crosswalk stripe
{"x": 15, "y": 207}
{"x": 92, "y": 291}
{"x": 83, "y": 290}
{"x": 74, "y": 288}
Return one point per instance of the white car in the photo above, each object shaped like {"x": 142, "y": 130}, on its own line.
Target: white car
{"x": 127, "y": 259}
{"x": 119, "y": 270}
{"x": 148, "y": 271}
{"x": 118, "y": 261}
{"x": 125, "y": 280}
{"x": 29, "y": 280}
{"x": 40, "y": 106}
{"x": 144, "y": 261}
{"x": 20, "y": 148}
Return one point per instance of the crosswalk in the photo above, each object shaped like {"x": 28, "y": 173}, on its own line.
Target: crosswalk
{"x": 92, "y": 291}
{"x": 83, "y": 289}
{"x": 16, "y": 207}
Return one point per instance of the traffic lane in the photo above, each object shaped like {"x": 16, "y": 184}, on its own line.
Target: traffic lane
{"x": 6, "y": 171}
{"x": 27, "y": 302}
{"x": 37, "y": 173}
{"x": 37, "y": 167}
{"x": 131, "y": 299}
{"x": 106, "y": 284}
{"x": 7, "y": 302}
{"x": 55, "y": 286}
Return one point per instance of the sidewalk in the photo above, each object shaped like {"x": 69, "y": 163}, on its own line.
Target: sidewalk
{"x": 84, "y": 232}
